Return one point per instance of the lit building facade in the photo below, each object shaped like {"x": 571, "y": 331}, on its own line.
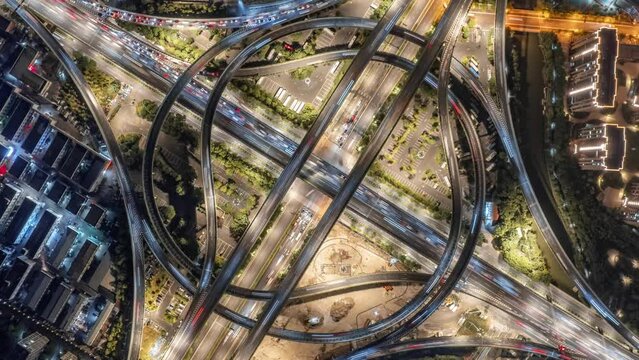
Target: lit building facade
{"x": 600, "y": 147}
{"x": 592, "y": 77}
{"x": 31, "y": 346}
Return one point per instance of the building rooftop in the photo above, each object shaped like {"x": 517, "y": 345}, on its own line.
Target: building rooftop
{"x": 600, "y": 147}
{"x": 24, "y": 70}
{"x": 607, "y": 61}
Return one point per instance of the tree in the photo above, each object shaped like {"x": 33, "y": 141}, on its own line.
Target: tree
{"x": 129, "y": 144}
{"x": 302, "y": 73}
{"x": 472, "y": 22}
{"x": 239, "y": 224}
{"x": 465, "y": 32}
{"x": 168, "y": 212}
{"x": 146, "y": 109}
{"x": 180, "y": 189}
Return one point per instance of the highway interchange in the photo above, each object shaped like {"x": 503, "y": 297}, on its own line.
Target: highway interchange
{"x": 297, "y": 165}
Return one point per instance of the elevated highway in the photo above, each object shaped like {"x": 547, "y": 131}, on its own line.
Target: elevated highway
{"x": 254, "y": 15}
{"x": 202, "y": 305}
{"x": 473, "y": 264}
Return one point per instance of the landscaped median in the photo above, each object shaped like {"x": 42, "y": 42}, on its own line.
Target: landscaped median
{"x": 377, "y": 173}
{"x": 302, "y": 120}
{"x": 172, "y": 41}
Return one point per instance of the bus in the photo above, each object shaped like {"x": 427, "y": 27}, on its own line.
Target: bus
{"x": 334, "y": 68}
{"x": 474, "y": 67}
{"x": 350, "y": 43}
{"x": 474, "y": 70}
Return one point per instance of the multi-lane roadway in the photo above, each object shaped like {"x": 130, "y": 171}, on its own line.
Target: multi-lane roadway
{"x": 506, "y": 146}
{"x": 381, "y": 220}
{"x": 455, "y": 13}
{"x": 251, "y": 16}
{"x": 209, "y": 297}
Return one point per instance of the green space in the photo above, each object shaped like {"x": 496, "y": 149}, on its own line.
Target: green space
{"x": 554, "y": 76}
{"x": 377, "y": 173}
{"x": 130, "y": 147}
{"x": 409, "y": 124}
{"x": 172, "y": 311}
{"x": 183, "y": 199}
{"x": 440, "y": 156}
{"x": 154, "y": 286}
{"x": 235, "y": 164}
{"x": 104, "y": 86}
{"x": 515, "y": 61}
{"x": 470, "y": 24}
{"x": 515, "y": 234}
{"x": 382, "y": 8}
{"x": 121, "y": 270}
{"x": 241, "y": 218}
{"x": 115, "y": 338}
{"x": 474, "y": 324}
{"x": 172, "y": 41}
{"x": 175, "y": 124}
{"x": 299, "y": 51}
{"x": 303, "y": 120}
{"x": 167, "y": 212}
{"x": 429, "y": 175}
{"x": 70, "y": 98}
{"x": 303, "y": 72}
{"x": 146, "y": 109}
{"x": 168, "y": 8}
